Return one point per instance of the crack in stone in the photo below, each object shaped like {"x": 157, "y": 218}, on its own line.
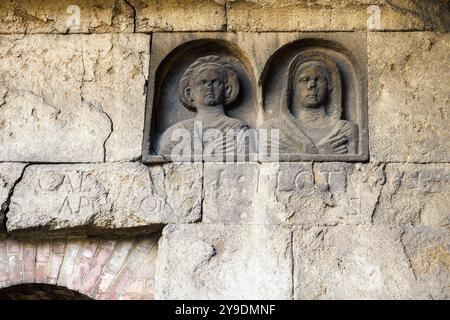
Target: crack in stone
{"x": 407, "y": 255}
{"x": 3, "y": 93}
{"x": 225, "y": 8}
{"x": 377, "y": 202}
{"x": 202, "y": 193}
{"x": 412, "y": 12}
{"x": 97, "y": 108}
{"x": 313, "y": 168}
{"x": 375, "y": 207}
{"x": 292, "y": 265}
{"x": 134, "y": 14}
{"x": 5, "y": 205}
{"x": 109, "y": 135}
{"x": 83, "y": 72}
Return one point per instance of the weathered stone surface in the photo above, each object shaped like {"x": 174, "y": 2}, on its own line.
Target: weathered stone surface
{"x": 327, "y": 194}
{"x": 230, "y": 191}
{"x": 408, "y": 97}
{"x": 224, "y": 262}
{"x": 102, "y": 16}
{"x": 415, "y": 194}
{"x": 327, "y": 15}
{"x": 367, "y": 262}
{"x": 64, "y": 98}
{"x": 65, "y": 16}
{"x": 105, "y": 196}
{"x": 9, "y": 175}
{"x": 428, "y": 250}
{"x": 179, "y": 15}
{"x": 292, "y": 193}
{"x": 361, "y": 230}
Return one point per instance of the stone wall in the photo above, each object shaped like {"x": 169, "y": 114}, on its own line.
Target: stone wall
{"x": 81, "y": 209}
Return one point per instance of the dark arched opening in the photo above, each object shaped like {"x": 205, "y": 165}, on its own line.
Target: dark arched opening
{"x": 32, "y": 291}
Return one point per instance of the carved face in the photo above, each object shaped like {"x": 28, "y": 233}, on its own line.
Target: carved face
{"x": 208, "y": 87}
{"x": 311, "y": 86}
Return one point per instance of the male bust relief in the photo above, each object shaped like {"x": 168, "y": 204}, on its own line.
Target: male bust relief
{"x": 207, "y": 86}
{"x": 310, "y": 118}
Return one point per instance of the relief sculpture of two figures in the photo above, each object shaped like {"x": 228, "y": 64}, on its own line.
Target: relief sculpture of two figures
{"x": 308, "y": 117}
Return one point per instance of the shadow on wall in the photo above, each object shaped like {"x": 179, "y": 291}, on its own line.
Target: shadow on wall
{"x": 39, "y": 291}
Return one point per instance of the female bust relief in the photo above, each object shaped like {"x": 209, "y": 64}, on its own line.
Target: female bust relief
{"x": 207, "y": 87}
{"x": 311, "y": 107}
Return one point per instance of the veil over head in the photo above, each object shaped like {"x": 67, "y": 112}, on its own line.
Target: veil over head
{"x": 334, "y": 104}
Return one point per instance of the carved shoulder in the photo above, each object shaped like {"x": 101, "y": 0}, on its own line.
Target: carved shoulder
{"x": 237, "y": 124}
{"x": 351, "y": 131}
{"x": 165, "y": 142}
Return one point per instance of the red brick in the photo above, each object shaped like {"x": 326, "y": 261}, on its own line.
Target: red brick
{"x": 149, "y": 287}
{"x": 83, "y": 263}
{"x": 135, "y": 287}
{"x": 119, "y": 284}
{"x": 131, "y": 267}
{"x": 101, "y": 258}
{"x": 58, "y": 246}
{"x": 54, "y": 266}
{"x": 42, "y": 256}
{"x": 12, "y": 246}
{"x": 146, "y": 245}
{"x": 3, "y": 264}
{"x": 70, "y": 255}
{"x": 55, "y": 260}
{"x": 88, "y": 250}
{"x": 147, "y": 269}
{"x": 13, "y": 249}
{"x": 29, "y": 261}
{"x": 131, "y": 296}
{"x": 114, "y": 265}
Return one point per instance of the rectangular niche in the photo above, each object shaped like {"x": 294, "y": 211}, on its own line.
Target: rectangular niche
{"x": 309, "y": 87}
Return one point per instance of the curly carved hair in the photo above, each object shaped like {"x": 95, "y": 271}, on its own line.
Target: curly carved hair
{"x": 231, "y": 78}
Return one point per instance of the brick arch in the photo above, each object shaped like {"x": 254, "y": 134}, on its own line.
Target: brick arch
{"x": 96, "y": 267}
{"x": 38, "y": 291}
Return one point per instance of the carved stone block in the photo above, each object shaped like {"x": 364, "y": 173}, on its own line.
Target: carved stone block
{"x": 64, "y": 99}
{"x": 212, "y": 95}
{"x": 331, "y": 15}
{"x": 428, "y": 250}
{"x": 201, "y": 261}
{"x": 105, "y": 196}
{"x": 65, "y": 16}
{"x": 304, "y": 194}
{"x": 328, "y": 193}
{"x": 229, "y": 193}
{"x": 409, "y": 97}
{"x": 179, "y": 15}
{"x": 415, "y": 194}
{"x": 292, "y": 193}
{"x": 371, "y": 262}
{"x": 10, "y": 174}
